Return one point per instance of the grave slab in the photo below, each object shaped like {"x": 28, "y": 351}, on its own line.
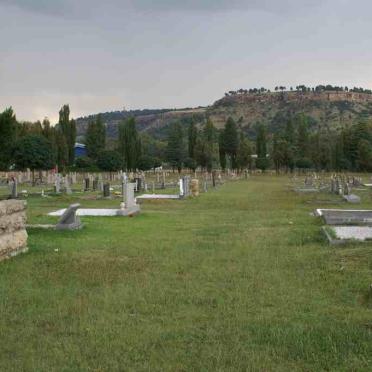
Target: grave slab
{"x": 338, "y": 235}
{"x": 346, "y": 216}
{"x": 100, "y": 212}
{"x": 352, "y": 198}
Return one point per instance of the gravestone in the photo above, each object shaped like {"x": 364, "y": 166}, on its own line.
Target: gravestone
{"x": 57, "y": 184}
{"x": 67, "y": 186}
{"x": 95, "y": 184}
{"x": 129, "y": 195}
{"x": 195, "y": 187}
{"x": 13, "y": 185}
{"x": 69, "y": 220}
{"x": 138, "y": 183}
{"x": 106, "y": 190}
{"x": 86, "y": 184}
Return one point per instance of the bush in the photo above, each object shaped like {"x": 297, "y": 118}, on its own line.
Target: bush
{"x": 109, "y": 161}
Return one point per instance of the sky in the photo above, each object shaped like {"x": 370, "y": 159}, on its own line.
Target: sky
{"x": 108, "y": 55}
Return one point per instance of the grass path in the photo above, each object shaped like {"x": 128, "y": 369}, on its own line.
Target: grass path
{"x": 238, "y": 279}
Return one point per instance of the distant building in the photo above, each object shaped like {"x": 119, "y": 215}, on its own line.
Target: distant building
{"x": 80, "y": 150}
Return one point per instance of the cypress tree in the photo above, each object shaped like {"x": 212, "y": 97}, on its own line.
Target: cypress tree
{"x": 95, "y": 138}
{"x": 129, "y": 144}
{"x": 261, "y": 148}
{"x": 175, "y": 147}
{"x": 231, "y": 141}
{"x": 68, "y": 129}
{"x": 8, "y": 127}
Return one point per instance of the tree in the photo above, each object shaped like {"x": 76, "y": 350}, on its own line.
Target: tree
{"x": 302, "y": 137}
{"x": 68, "y": 129}
{"x": 222, "y": 152}
{"x": 62, "y": 149}
{"x": 244, "y": 157}
{"x": 33, "y": 152}
{"x": 175, "y": 147}
{"x": 261, "y": 148}
{"x": 129, "y": 144}
{"x": 192, "y": 139}
{"x": 8, "y": 128}
{"x": 109, "y": 161}
{"x": 206, "y": 150}
{"x": 280, "y": 147}
{"x": 95, "y": 138}
{"x": 231, "y": 141}
{"x": 364, "y": 156}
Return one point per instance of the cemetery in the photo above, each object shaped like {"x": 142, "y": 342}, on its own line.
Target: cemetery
{"x": 246, "y": 249}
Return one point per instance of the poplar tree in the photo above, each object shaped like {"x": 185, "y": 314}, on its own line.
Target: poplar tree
{"x": 231, "y": 141}
{"x": 261, "y": 148}
{"x": 95, "y": 138}
{"x": 8, "y": 129}
{"x": 244, "y": 157}
{"x": 68, "y": 129}
{"x": 129, "y": 144}
{"x": 175, "y": 147}
{"x": 192, "y": 139}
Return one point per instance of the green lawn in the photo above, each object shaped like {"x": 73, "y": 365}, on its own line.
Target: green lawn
{"x": 240, "y": 278}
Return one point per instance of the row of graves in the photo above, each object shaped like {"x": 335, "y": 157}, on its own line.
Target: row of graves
{"x": 341, "y": 225}
{"x": 20, "y": 184}
{"x": 13, "y": 233}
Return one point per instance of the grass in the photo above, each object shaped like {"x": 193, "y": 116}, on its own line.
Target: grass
{"x": 240, "y": 278}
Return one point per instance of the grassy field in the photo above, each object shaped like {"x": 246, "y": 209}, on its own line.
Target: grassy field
{"x": 240, "y": 278}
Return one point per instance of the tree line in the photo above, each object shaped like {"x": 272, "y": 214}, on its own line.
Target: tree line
{"x": 299, "y": 88}
{"x": 297, "y": 145}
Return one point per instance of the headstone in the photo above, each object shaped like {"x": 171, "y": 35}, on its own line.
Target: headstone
{"x": 86, "y": 184}
{"x": 13, "y": 185}
{"x": 67, "y": 186}
{"x": 69, "y": 220}
{"x": 57, "y": 184}
{"x": 129, "y": 195}
{"x": 185, "y": 186}
{"x": 195, "y": 187}
{"x": 95, "y": 184}
{"x": 138, "y": 184}
{"x": 106, "y": 190}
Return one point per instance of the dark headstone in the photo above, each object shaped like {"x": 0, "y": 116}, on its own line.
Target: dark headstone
{"x": 106, "y": 190}
{"x": 86, "y": 184}
{"x": 138, "y": 182}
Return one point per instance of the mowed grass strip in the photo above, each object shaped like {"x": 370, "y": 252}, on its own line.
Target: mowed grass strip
{"x": 238, "y": 279}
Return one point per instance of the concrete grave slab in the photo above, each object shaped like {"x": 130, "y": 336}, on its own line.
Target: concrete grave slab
{"x": 352, "y": 198}
{"x": 100, "y": 212}
{"x": 338, "y": 235}
{"x": 157, "y": 197}
{"x": 345, "y": 216}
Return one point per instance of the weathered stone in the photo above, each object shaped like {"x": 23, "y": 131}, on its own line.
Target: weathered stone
{"x": 195, "y": 187}
{"x": 69, "y": 219}
{"x": 13, "y": 235}
{"x": 352, "y": 198}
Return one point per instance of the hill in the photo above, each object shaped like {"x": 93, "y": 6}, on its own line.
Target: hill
{"x": 332, "y": 109}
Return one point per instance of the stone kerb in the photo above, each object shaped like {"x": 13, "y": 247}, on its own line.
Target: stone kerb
{"x": 13, "y": 235}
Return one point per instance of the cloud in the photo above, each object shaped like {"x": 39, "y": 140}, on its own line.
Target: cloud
{"x": 83, "y": 8}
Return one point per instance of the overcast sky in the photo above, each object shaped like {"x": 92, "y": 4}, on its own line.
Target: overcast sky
{"x": 105, "y": 55}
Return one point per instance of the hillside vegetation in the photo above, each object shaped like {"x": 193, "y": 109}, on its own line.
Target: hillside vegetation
{"x": 332, "y": 109}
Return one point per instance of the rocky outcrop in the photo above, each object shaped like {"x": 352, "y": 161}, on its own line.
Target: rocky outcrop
{"x": 13, "y": 235}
